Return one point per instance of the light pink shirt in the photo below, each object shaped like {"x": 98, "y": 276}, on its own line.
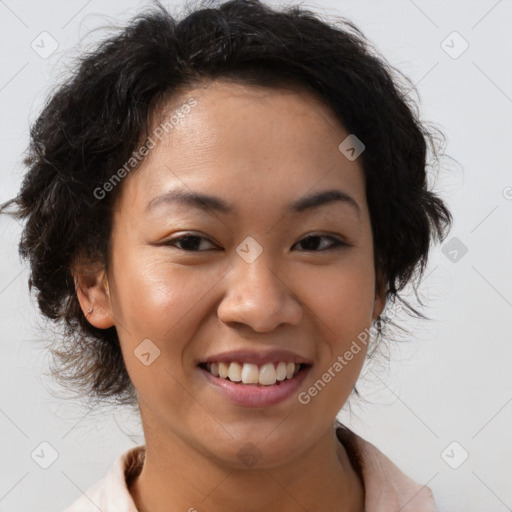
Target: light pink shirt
{"x": 387, "y": 489}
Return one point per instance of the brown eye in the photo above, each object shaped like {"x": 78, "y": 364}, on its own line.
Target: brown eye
{"x": 188, "y": 243}
{"x": 311, "y": 243}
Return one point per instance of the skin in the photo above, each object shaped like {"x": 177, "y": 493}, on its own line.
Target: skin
{"x": 258, "y": 149}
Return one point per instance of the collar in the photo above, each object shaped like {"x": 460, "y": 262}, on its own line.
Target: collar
{"x": 387, "y": 488}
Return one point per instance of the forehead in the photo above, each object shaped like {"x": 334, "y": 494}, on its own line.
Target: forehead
{"x": 245, "y": 143}
{"x": 221, "y": 105}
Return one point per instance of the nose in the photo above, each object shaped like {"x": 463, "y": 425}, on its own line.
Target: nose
{"x": 259, "y": 297}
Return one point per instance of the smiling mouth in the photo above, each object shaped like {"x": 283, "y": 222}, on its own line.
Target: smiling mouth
{"x": 248, "y": 374}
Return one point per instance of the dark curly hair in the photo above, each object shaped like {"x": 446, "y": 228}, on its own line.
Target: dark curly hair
{"x": 93, "y": 122}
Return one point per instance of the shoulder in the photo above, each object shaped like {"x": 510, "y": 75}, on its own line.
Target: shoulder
{"x": 111, "y": 493}
{"x": 387, "y": 488}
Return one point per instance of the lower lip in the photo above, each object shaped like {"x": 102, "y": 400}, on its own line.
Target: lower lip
{"x": 252, "y": 395}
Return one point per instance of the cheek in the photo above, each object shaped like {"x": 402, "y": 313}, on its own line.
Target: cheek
{"x": 343, "y": 292}
{"x": 161, "y": 302}
{"x": 341, "y": 301}
{"x": 152, "y": 297}
{"x": 341, "y": 305}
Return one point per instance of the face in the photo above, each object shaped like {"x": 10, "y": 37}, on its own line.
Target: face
{"x": 257, "y": 276}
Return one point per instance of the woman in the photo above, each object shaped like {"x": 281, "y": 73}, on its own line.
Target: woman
{"x": 175, "y": 185}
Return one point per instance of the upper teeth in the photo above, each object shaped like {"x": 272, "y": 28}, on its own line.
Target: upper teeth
{"x": 249, "y": 373}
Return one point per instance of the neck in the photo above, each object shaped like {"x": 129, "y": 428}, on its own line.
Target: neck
{"x": 319, "y": 479}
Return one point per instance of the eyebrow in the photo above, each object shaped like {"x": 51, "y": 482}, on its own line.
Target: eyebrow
{"x": 207, "y": 202}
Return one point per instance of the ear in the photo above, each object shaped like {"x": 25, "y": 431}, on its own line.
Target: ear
{"x": 380, "y": 295}
{"x": 92, "y": 290}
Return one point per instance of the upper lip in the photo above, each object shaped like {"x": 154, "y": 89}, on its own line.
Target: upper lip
{"x": 257, "y": 357}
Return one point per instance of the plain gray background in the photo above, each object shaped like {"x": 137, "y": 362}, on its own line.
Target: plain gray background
{"x": 445, "y": 394}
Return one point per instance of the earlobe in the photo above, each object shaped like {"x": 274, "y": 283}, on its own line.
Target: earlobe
{"x": 93, "y": 293}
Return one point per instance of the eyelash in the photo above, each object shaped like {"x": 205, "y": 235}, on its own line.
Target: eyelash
{"x": 338, "y": 244}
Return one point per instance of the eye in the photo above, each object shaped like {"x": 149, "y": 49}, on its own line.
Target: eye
{"x": 312, "y": 246}
{"x": 188, "y": 241}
